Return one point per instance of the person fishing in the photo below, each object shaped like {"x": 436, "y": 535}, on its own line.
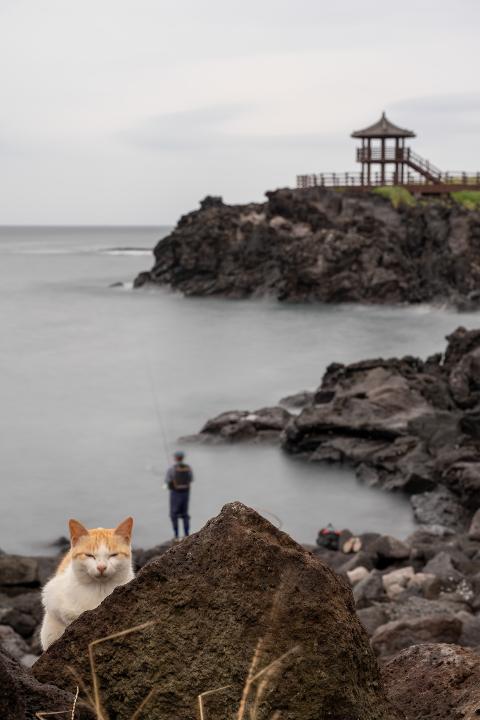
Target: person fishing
{"x": 178, "y": 480}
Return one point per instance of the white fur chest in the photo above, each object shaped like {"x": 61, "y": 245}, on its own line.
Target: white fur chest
{"x": 66, "y": 597}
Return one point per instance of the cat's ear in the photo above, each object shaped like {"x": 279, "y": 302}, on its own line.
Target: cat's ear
{"x": 77, "y": 530}
{"x": 125, "y": 529}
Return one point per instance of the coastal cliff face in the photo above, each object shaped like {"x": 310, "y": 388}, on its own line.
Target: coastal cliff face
{"x": 322, "y": 245}
{"x": 403, "y": 423}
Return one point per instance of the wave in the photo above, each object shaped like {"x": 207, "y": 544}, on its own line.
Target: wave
{"x": 126, "y": 251}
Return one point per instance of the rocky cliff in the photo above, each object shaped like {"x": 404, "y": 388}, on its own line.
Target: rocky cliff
{"x": 403, "y": 423}
{"x": 322, "y": 245}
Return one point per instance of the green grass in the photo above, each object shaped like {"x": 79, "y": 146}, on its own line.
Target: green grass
{"x": 396, "y": 195}
{"x": 469, "y": 199}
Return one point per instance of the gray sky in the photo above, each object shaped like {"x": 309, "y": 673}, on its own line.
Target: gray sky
{"x": 131, "y": 111}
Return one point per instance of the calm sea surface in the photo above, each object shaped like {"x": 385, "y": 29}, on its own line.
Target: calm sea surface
{"x": 90, "y": 373}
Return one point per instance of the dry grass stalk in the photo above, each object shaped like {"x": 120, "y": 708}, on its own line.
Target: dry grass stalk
{"x": 268, "y": 672}
{"x": 41, "y": 715}
{"x": 91, "y": 647}
{"x": 251, "y": 671}
{"x": 204, "y": 694}
{"x": 81, "y": 685}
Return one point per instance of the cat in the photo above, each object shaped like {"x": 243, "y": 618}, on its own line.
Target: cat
{"x": 98, "y": 561}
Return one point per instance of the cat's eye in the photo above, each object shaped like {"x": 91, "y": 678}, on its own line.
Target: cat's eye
{"x": 91, "y": 556}
{"x": 114, "y": 555}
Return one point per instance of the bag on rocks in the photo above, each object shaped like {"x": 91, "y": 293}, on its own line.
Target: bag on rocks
{"x": 328, "y": 537}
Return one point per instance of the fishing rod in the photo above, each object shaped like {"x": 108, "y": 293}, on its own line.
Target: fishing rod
{"x": 156, "y": 405}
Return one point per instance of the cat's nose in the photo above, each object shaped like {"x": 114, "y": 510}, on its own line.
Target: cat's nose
{"x": 101, "y": 568}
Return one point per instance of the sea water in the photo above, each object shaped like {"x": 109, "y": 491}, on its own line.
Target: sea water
{"x": 98, "y": 382}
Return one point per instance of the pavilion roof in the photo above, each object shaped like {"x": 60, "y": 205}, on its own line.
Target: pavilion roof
{"x": 383, "y": 128}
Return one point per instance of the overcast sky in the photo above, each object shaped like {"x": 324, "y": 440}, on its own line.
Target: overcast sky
{"x": 131, "y": 111}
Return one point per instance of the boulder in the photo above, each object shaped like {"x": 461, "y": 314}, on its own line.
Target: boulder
{"x": 463, "y": 479}
{"x": 18, "y": 570}
{"x": 434, "y": 682}
{"x": 474, "y": 529}
{"x": 389, "y": 550}
{"x": 22, "y": 612}
{"x": 439, "y": 507}
{"x": 400, "y": 577}
{"x": 412, "y": 606}
{"x": 442, "y": 566}
{"x": 398, "y": 634}
{"x": 470, "y": 636}
{"x": 239, "y": 594}
{"x": 357, "y": 574}
{"x": 369, "y": 590}
{"x": 372, "y": 617}
{"x": 426, "y": 584}
{"x": 12, "y": 643}
{"x": 22, "y": 696}
{"x": 359, "y": 559}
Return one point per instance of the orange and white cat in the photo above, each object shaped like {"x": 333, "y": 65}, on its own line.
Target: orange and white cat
{"x": 98, "y": 561}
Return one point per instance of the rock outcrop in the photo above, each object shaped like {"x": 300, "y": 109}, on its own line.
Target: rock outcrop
{"x": 226, "y": 603}
{"x": 403, "y": 424}
{"x": 318, "y": 244}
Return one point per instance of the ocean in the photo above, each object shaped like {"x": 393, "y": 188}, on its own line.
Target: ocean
{"x": 98, "y": 382}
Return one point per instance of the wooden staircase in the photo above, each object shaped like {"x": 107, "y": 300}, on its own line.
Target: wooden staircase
{"x": 421, "y": 166}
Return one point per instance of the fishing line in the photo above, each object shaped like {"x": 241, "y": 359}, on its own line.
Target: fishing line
{"x": 261, "y": 511}
{"x": 154, "y": 399}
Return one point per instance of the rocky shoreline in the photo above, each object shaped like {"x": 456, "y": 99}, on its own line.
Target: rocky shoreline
{"x": 417, "y": 600}
{"x": 403, "y": 424}
{"x": 434, "y": 572}
{"x": 321, "y": 245}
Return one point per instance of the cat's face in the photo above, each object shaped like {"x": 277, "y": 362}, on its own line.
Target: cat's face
{"x": 101, "y": 554}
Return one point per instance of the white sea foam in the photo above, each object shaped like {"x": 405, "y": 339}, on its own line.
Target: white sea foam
{"x": 127, "y": 251}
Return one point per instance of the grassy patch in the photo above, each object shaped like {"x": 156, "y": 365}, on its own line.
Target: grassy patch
{"x": 396, "y": 195}
{"x": 469, "y": 199}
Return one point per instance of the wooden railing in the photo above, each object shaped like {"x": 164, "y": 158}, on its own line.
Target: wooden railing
{"x": 400, "y": 155}
{"x": 359, "y": 180}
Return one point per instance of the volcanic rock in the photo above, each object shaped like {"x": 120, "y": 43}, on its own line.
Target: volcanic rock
{"x": 266, "y": 423}
{"x": 434, "y": 682}
{"x": 12, "y": 643}
{"x": 388, "y": 550}
{"x": 237, "y": 585}
{"x": 398, "y": 634}
{"x": 369, "y": 590}
{"x": 318, "y": 244}
{"x": 22, "y": 696}
{"x": 474, "y": 530}
{"x": 18, "y": 570}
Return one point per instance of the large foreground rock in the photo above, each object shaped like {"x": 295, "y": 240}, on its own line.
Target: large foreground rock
{"x": 434, "y": 682}
{"x": 216, "y": 596}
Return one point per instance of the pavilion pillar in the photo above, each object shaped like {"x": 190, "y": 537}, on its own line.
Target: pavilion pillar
{"x": 383, "y": 161}
{"x": 396, "y": 160}
{"x": 362, "y": 181}
{"x": 369, "y": 159}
